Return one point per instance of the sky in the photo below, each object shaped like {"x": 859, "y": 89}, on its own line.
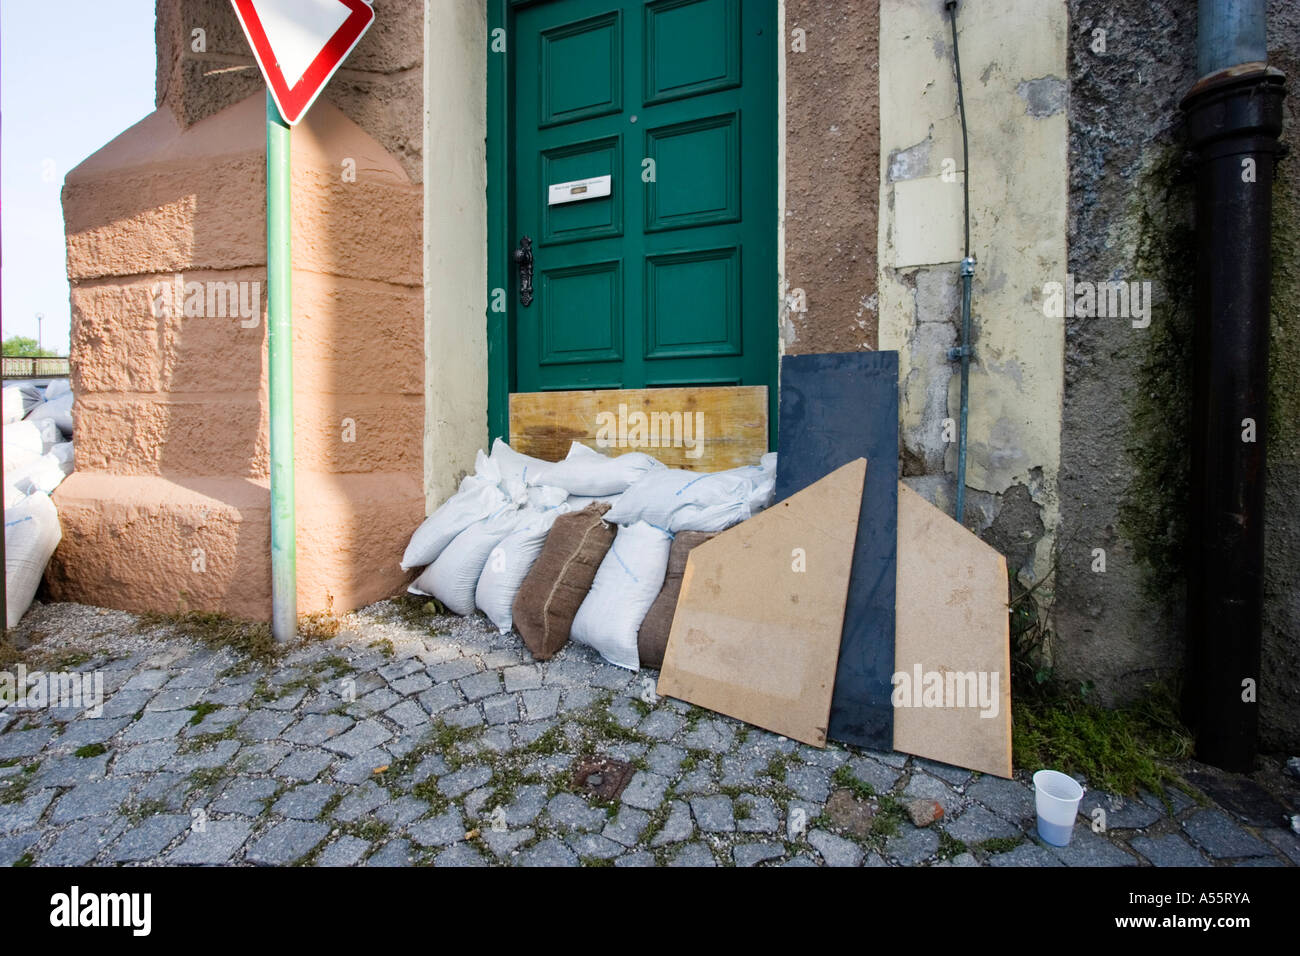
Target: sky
{"x": 73, "y": 75}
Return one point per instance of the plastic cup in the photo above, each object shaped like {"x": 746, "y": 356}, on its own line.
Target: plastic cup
{"x": 1056, "y": 797}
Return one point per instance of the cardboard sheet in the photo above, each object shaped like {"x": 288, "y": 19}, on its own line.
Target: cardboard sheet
{"x": 952, "y": 648}
{"x": 756, "y": 635}
{"x": 835, "y": 408}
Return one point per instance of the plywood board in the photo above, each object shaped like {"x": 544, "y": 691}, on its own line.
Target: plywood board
{"x": 836, "y": 408}
{"x": 756, "y": 635}
{"x": 952, "y": 638}
{"x": 698, "y": 429}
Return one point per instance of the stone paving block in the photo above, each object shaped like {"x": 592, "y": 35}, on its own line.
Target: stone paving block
{"x": 147, "y": 680}
{"x": 1009, "y": 799}
{"x": 215, "y": 722}
{"x": 540, "y": 704}
{"x": 642, "y": 858}
{"x": 954, "y": 776}
{"x": 215, "y": 844}
{"x": 437, "y": 699}
{"x": 803, "y": 859}
{"x": 809, "y": 783}
{"x": 923, "y": 786}
{"x": 24, "y": 743}
{"x": 246, "y": 797}
{"x": 742, "y": 770}
{"x": 752, "y": 854}
{"x": 265, "y": 725}
{"x": 1284, "y": 840}
{"x": 70, "y": 771}
{"x": 1220, "y": 837}
{"x": 828, "y": 758}
{"x": 227, "y": 694}
{"x": 398, "y": 813}
{"x": 1088, "y": 849}
{"x": 502, "y": 709}
{"x": 714, "y": 814}
{"x": 693, "y": 855}
{"x": 408, "y": 715}
{"x": 347, "y": 850}
{"x": 361, "y": 802}
{"x": 305, "y": 802}
{"x": 261, "y": 757}
{"x": 362, "y": 768}
{"x": 759, "y": 814}
{"x": 522, "y": 677}
{"x": 85, "y": 731}
{"x": 834, "y": 850}
{"x": 149, "y": 838}
{"x": 411, "y": 684}
{"x": 665, "y": 759}
{"x": 464, "y": 717}
{"x": 462, "y": 854}
{"x": 529, "y": 802}
{"x": 571, "y": 812}
{"x": 550, "y": 852}
{"x": 627, "y": 826}
{"x": 910, "y": 846}
{"x": 376, "y": 702}
{"x": 593, "y": 846}
{"x": 80, "y": 843}
{"x": 443, "y": 830}
{"x": 977, "y": 825}
{"x": 452, "y": 670}
{"x": 99, "y": 798}
{"x": 179, "y": 699}
{"x": 363, "y": 737}
{"x": 478, "y": 686}
{"x": 646, "y": 790}
{"x": 14, "y": 848}
{"x": 1121, "y": 813}
{"x": 661, "y": 725}
{"x": 880, "y": 776}
{"x": 125, "y": 703}
{"x": 218, "y": 755}
{"x": 314, "y": 729}
{"x": 462, "y": 781}
{"x": 712, "y": 735}
{"x": 1167, "y": 850}
{"x": 286, "y": 843}
{"x": 503, "y": 843}
{"x": 23, "y": 814}
{"x": 1027, "y": 854}
{"x": 578, "y": 698}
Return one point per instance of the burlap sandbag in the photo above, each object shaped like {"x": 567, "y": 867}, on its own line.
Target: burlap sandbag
{"x": 549, "y": 598}
{"x": 652, "y": 639}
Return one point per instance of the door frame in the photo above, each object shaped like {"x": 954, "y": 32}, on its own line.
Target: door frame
{"x": 501, "y": 221}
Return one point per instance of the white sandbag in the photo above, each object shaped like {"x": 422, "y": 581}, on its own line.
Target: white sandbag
{"x": 44, "y": 474}
{"x": 12, "y": 495}
{"x": 764, "y": 484}
{"x": 16, "y": 403}
{"x": 627, "y": 583}
{"x": 515, "y": 466}
{"x": 546, "y": 498}
{"x": 454, "y": 576}
{"x": 23, "y": 436}
{"x": 51, "y": 434}
{"x": 60, "y": 410}
{"x": 32, "y": 533}
{"x": 674, "y": 500}
{"x": 509, "y": 563}
{"x": 476, "y": 500}
{"x": 578, "y": 502}
{"x": 63, "y": 453}
{"x": 18, "y": 458}
{"x": 589, "y": 473}
{"x": 57, "y": 389}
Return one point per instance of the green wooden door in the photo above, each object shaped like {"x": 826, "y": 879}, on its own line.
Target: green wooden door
{"x": 670, "y": 278}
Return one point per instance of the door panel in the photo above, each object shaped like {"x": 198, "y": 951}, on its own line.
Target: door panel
{"x": 671, "y": 278}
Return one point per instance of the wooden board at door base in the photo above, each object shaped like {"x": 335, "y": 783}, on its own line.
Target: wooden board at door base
{"x": 697, "y": 429}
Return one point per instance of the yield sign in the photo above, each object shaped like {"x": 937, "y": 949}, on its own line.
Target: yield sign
{"x": 299, "y": 44}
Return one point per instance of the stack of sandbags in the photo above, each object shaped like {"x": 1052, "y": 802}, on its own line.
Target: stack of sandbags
{"x": 652, "y": 639}
{"x": 549, "y": 598}
{"x": 32, "y": 533}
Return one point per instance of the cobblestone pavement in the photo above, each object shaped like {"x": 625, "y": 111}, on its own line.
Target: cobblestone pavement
{"x": 440, "y": 742}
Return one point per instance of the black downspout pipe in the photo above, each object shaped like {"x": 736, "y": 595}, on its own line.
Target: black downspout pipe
{"x": 1234, "y": 117}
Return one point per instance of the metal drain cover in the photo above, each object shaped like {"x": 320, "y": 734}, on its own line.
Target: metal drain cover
{"x": 602, "y": 777}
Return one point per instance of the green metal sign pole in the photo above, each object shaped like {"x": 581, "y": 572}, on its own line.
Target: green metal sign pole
{"x": 279, "y": 278}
